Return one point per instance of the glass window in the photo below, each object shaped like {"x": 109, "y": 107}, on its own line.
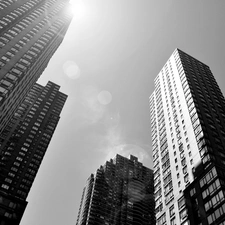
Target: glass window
{"x": 11, "y": 77}
{"x": 186, "y": 178}
{"x": 172, "y": 212}
{"x": 6, "y": 83}
{"x": 173, "y": 221}
{"x": 3, "y": 91}
{"x": 192, "y": 191}
{"x": 183, "y": 162}
{"x": 5, "y": 186}
{"x": 181, "y": 202}
{"x": 185, "y": 170}
{"x": 183, "y": 214}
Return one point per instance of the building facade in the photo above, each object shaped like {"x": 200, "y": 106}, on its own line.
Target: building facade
{"x": 30, "y": 33}
{"x": 24, "y": 142}
{"x": 188, "y": 138}
{"x": 120, "y": 192}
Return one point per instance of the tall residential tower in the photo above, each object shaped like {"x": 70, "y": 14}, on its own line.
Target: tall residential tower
{"x": 30, "y": 33}
{"x": 188, "y": 138}
{"x": 120, "y": 192}
{"x": 24, "y": 142}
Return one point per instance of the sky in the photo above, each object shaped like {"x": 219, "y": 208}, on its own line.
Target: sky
{"x": 106, "y": 65}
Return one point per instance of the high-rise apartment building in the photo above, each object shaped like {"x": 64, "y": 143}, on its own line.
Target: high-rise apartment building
{"x": 188, "y": 138}
{"x": 30, "y": 33}
{"x": 120, "y": 192}
{"x": 24, "y": 142}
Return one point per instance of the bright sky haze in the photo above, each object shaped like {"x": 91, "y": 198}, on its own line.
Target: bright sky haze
{"x": 106, "y": 65}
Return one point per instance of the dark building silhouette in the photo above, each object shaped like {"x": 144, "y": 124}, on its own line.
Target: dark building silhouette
{"x": 30, "y": 33}
{"x": 24, "y": 145}
{"x": 120, "y": 192}
{"x": 188, "y": 138}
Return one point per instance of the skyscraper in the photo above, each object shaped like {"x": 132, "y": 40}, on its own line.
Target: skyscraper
{"x": 120, "y": 192}
{"x": 30, "y": 33}
{"x": 188, "y": 138}
{"x": 24, "y": 142}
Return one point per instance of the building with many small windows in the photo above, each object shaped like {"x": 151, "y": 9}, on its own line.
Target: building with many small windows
{"x": 188, "y": 139}
{"x": 120, "y": 192}
{"x": 30, "y": 33}
{"x": 24, "y": 142}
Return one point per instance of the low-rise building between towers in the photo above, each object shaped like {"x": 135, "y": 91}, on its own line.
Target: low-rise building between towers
{"x": 120, "y": 192}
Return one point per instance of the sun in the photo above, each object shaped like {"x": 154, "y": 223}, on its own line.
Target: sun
{"x": 79, "y": 9}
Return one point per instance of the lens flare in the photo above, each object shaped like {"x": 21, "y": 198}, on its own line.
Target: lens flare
{"x": 78, "y": 8}
{"x": 71, "y": 70}
{"x": 104, "y": 97}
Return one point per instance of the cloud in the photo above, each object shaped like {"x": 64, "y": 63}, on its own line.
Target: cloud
{"x": 84, "y": 108}
{"x": 114, "y": 142}
{"x": 97, "y": 123}
{"x": 93, "y": 110}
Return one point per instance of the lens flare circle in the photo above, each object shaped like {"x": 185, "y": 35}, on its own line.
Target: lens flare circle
{"x": 104, "y": 97}
{"x": 71, "y": 69}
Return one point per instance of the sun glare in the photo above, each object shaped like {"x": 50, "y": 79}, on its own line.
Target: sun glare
{"x": 79, "y": 9}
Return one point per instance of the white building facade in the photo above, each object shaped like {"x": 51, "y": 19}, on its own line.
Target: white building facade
{"x": 176, "y": 136}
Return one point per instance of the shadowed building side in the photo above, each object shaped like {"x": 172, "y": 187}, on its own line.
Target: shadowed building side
{"x": 24, "y": 146}
{"x": 85, "y": 201}
{"x": 30, "y": 33}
